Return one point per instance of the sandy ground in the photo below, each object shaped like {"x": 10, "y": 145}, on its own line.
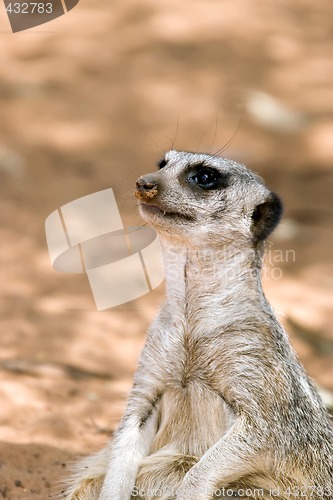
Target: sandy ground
{"x": 88, "y": 102}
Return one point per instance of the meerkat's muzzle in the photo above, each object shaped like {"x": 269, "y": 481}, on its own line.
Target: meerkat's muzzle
{"x": 146, "y": 189}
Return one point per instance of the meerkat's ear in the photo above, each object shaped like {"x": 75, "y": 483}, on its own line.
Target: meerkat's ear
{"x": 266, "y": 217}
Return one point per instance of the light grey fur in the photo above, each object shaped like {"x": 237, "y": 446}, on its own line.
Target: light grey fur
{"x": 219, "y": 399}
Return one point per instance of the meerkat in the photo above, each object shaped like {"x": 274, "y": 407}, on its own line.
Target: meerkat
{"x": 220, "y": 405}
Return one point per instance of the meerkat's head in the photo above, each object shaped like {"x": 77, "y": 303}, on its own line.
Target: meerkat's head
{"x": 207, "y": 200}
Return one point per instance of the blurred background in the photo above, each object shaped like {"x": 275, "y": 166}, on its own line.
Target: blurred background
{"x": 90, "y": 101}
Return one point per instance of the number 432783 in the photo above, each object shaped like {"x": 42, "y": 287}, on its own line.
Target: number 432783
{"x": 29, "y": 8}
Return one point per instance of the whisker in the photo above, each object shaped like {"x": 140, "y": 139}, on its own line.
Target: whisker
{"x": 205, "y": 134}
{"x": 156, "y": 144}
{"x": 172, "y": 145}
{"x": 215, "y": 133}
{"x": 234, "y": 135}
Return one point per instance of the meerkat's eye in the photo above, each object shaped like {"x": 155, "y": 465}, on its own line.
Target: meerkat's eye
{"x": 206, "y": 178}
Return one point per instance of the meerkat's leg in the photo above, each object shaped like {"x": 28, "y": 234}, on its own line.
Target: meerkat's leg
{"x": 134, "y": 437}
{"x": 132, "y": 442}
{"x": 111, "y": 474}
{"x": 235, "y": 455}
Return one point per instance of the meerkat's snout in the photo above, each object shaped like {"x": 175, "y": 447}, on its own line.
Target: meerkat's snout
{"x": 146, "y": 188}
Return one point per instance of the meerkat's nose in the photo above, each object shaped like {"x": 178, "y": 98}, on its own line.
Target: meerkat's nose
{"x": 146, "y": 188}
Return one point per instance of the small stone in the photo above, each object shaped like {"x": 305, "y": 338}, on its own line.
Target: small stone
{"x": 271, "y": 113}
{"x": 11, "y": 163}
{"x": 92, "y": 396}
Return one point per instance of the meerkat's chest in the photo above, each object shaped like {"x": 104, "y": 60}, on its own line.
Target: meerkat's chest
{"x": 192, "y": 414}
{"x": 194, "y": 358}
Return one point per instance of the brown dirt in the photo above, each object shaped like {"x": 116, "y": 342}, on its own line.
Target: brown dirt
{"x": 89, "y": 101}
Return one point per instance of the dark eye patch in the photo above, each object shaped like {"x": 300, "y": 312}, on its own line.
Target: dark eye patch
{"x": 207, "y": 177}
{"x": 162, "y": 163}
